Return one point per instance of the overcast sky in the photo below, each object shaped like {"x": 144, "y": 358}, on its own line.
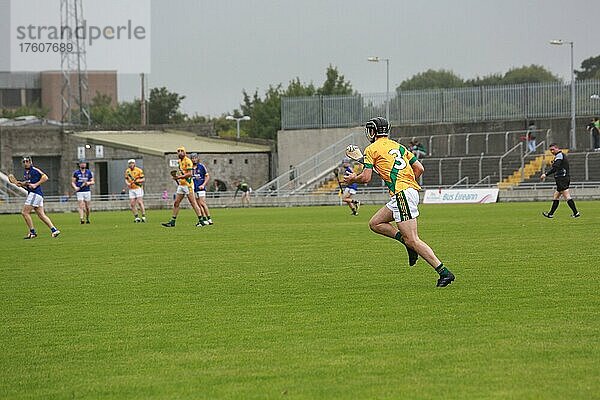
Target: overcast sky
{"x": 210, "y": 51}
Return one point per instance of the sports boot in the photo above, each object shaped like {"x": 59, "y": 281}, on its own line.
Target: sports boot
{"x": 445, "y": 280}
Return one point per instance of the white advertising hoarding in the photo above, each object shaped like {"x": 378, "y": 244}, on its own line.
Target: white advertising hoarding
{"x": 455, "y": 196}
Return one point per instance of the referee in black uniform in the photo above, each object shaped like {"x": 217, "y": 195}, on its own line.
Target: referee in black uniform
{"x": 560, "y": 169}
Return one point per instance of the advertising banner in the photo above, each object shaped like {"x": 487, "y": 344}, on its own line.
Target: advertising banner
{"x": 455, "y": 196}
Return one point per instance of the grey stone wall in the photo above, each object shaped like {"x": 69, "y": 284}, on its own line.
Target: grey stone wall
{"x": 293, "y": 147}
{"x": 33, "y": 141}
{"x": 252, "y": 167}
{"x": 50, "y": 141}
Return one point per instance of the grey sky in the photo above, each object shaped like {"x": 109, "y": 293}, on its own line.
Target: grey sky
{"x": 211, "y": 50}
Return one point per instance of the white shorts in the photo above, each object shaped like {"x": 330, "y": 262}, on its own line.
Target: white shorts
{"x": 183, "y": 190}
{"x": 34, "y": 200}
{"x": 348, "y": 191}
{"x": 200, "y": 193}
{"x": 84, "y": 196}
{"x": 136, "y": 193}
{"x": 404, "y": 205}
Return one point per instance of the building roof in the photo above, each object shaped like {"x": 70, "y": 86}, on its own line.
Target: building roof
{"x": 161, "y": 143}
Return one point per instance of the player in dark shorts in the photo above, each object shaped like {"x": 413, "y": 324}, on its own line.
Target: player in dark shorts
{"x": 560, "y": 169}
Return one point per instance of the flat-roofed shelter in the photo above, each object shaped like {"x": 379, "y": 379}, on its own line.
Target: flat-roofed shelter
{"x": 155, "y": 152}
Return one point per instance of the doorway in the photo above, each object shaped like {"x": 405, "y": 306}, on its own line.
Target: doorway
{"x": 102, "y": 172}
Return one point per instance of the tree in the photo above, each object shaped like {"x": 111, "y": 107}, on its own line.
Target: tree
{"x": 102, "y": 111}
{"x": 163, "y": 107}
{"x": 432, "y": 79}
{"x": 590, "y": 69}
{"x": 488, "y": 80}
{"x": 334, "y": 84}
{"x": 265, "y": 113}
{"x": 528, "y": 74}
{"x": 129, "y": 113}
{"x": 297, "y": 89}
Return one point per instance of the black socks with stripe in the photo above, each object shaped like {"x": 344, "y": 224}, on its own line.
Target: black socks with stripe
{"x": 443, "y": 271}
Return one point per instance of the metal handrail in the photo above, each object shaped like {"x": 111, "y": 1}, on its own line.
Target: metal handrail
{"x": 466, "y": 178}
{"x": 520, "y": 146}
{"x": 311, "y": 167}
{"x": 488, "y": 178}
{"x": 587, "y": 169}
{"x": 448, "y": 136}
{"x": 527, "y": 152}
{"x": 361, "y": 190}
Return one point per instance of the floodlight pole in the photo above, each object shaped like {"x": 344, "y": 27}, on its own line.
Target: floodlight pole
{"x": 573, "y": 122}
{"x": 237, "y": 120}
{"x": 572, "y": 139}
{"x": 387, "y": 83}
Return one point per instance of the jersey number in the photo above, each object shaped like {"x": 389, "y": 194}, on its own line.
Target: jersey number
{"x": 400, "y": 163}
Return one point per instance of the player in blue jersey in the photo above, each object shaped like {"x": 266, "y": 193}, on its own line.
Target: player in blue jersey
{"x": 81, "y": 181}
{"x": 350, "y": 190}
{"x": 33, "y": 178}
{"x": 201, "y": 178}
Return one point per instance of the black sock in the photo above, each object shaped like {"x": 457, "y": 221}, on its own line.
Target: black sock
{"x": 554, "y": 207}
{"x": 399, "y": 237}
{"x": 135, "y": 215}
{"x": 571, "y": 204}
{"x": 440, "y": 269}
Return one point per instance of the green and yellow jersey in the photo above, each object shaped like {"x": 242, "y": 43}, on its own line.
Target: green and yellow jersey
{"x": 392, "y": 161}
{"x": 186, "y": 166}
{"x": 132, "y": 175}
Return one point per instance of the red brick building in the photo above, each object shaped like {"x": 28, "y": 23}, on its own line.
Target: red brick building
{"x": 19, "y": 89}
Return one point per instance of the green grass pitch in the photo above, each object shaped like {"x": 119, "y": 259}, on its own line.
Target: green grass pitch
{"x": 302, "y": 303}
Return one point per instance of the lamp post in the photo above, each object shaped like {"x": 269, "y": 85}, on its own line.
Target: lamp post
{"x": 560, "y": 42}
{"x": 237, "y": 119}
{"x": 387, "y": 83}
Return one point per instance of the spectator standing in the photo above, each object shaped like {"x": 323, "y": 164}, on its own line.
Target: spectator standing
{"x": 594, "y": 129}
{"x": 418, "y": 149}
{"x": 530, "y": 137}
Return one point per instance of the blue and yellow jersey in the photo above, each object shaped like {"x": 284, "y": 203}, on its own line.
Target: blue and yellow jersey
{"x": 392, "y": 162}
{"x": 186, "y": 166}
{"x": 132, "y": 175}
